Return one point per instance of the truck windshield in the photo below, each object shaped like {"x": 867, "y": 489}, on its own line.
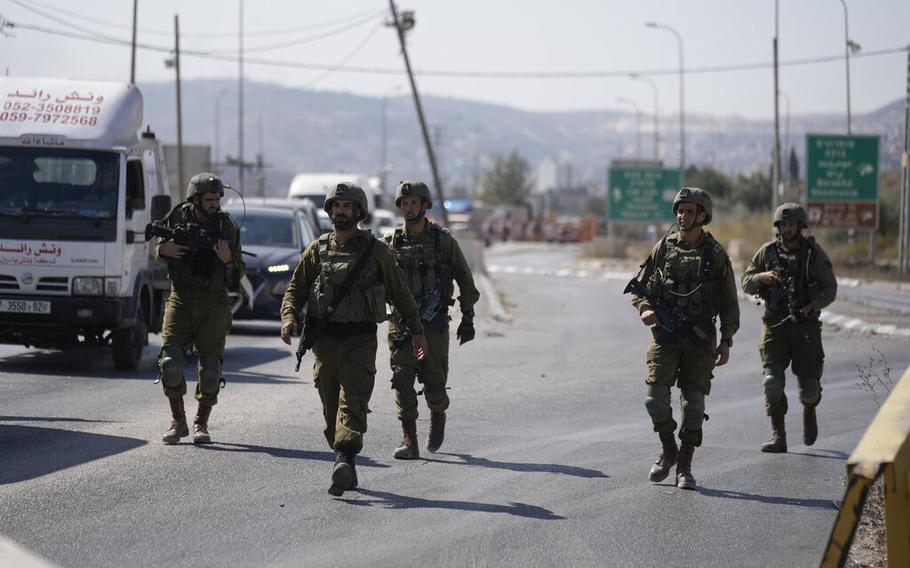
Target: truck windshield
{"x": 57, "y": 182}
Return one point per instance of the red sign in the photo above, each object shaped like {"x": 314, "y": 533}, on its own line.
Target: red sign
{"x": 843, "y": 215}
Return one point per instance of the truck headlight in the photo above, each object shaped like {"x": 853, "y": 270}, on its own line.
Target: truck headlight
{"x": 95, "y": 286}
{"x": 279, "y": 268}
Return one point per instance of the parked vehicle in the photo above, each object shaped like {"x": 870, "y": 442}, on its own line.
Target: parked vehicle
{"x": 77, "y": 187}
{"x": 312, "y": 186}
{"x": 276, "y": 234}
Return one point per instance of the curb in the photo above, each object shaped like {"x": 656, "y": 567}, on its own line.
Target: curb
{"x": 489, "y": 291}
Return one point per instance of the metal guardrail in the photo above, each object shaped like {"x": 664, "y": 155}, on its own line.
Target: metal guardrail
{"x": 883, "y": 451}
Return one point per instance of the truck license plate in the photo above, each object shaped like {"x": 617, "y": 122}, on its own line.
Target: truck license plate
{"x": 25, "y": 306}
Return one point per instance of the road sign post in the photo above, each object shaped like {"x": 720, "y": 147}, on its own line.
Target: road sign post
{"x": 842, "y": 181}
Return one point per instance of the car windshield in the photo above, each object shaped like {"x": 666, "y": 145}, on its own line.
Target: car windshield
{"x": 58, "y": 182}
{"x": 267, "y": 228}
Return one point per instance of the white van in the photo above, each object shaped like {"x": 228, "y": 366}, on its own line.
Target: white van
{"x": 313, "y": 186}
{"x": 77, "y": 187}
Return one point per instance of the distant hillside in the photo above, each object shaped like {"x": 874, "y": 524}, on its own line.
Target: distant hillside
{"x": 317, "y": 130}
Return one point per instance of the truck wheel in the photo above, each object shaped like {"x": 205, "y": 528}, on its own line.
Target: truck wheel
{"x": 127, "y": 344}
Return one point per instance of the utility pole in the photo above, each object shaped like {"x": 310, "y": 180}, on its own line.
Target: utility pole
{"x": 180, "y": 177}
{"x": 240, "y": 105}
{"x": 775, "y": 166}
{"x": 904, "y": 239}
{"x": 133, "y": 54}
{"x": 399, "y": 27}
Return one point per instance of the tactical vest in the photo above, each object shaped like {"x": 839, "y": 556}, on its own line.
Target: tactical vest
{"x": 366, "y": 302}
{"x": 796, "y": 263}
{"x": 421, "y": 264}
{"x": 686, "y": 277}
{"x": 197, "y": 270}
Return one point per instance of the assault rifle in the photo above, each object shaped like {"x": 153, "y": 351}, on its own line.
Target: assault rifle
{"x": 671, "y": 318}
{"x": 786, "y": 288}
{"x": 433, "y": 304}
{"x": 311, "y": 332}
{"x": 190, "y": 235}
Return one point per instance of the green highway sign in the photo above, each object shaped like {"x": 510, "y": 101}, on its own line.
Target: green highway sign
{"x": 841, "y": 168}
{"x": 642, "y": 193}
{"x": 842, "y": 181}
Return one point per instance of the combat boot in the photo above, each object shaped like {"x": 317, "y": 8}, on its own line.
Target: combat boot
{"x": 352, "y": 459}
{"x": 777, "y": 444}
{"x": 684, "y": 478}
{"x": 178, "y": 429}
{"x": 810, "y": 425}
{"x": 201, "y": 425}
{"x": 408, "y": 449}
{"x": 437, "y": 430}
{"x": 667, "y": 458}
{"x": 343, "y": 475}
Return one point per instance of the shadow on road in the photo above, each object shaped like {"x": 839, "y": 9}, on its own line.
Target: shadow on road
{"x": 29, "y": 451}
{"x": 46, "y": 419}
{"x": 468, "y": 459}
{"x": 287, "y": 453}
{"x": 820, "y": 453}
{"x": 395, "y": 501}
{"x": 769, "y": 499}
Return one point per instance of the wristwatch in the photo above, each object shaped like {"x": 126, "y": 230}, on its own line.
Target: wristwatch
{"x": 728, "y": 341}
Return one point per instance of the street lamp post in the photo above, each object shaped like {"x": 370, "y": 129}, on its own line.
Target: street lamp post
{"x": 384, "y": 142}
{"x": 216, "y": 146}
{"x": 651, "y": 82}
{"x": 682, "y": 91}
{"x": 847, "y": 46}
{"x": 624, "y": 100}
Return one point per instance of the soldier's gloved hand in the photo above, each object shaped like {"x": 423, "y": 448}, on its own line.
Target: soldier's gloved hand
{"x": 465, "y": 330}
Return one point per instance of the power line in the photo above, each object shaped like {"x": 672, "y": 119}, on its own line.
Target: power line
{"x": 210, "y": 35}
{"x": 596, "y": 74}
{"x": 348, "y": 57}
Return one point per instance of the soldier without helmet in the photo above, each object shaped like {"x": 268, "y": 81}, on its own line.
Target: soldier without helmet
{"x": 198, "y": 311}
{"x": 425, "y": 252}
{"x": 689, "y": 271}
{"x": 791, "y": 330}
{"x": 345, "y": 368}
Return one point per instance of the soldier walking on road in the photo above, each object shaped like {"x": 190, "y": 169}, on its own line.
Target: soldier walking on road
{"x": 198, "y": 311}
{"x": 794, "y": 277}
{"x": 345, "y": 368}
{"x": 430, "y": 259}
{"x": 688, "y": 273}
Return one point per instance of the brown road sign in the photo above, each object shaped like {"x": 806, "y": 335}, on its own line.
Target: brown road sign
{"x": 843, "y": 215}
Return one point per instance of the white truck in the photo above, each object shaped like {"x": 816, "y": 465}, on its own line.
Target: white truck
{"x": 313, "y": 186}
{"x": 78, "y": 184}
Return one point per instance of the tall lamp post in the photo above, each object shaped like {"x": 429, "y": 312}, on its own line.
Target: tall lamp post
{"x": 847, "y": 47}
{"x": 651, "y": 82}
{"x": 216, "y": 146}
{"x": 384, "y": 141}
{"x": 682, "y": 91}
{"x": 623, "y": 100}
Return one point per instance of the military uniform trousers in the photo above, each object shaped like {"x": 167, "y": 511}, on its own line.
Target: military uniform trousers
{"x": 678, "y": 362}
{"x": 199, "y": 318}
{"x": 344, "y": 374}
{"x": 798, "y": 344}
{"x": 432, "y": 373}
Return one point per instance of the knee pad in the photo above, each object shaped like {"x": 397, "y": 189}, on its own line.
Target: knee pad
{"x": 773, "y": 382}
{"x": 209, "y": 370}
{"x": 812, "y": 395}
{"x": 692, "y": 403}
{"x": 170, "y": 364}
{"x": 657, "y": 402}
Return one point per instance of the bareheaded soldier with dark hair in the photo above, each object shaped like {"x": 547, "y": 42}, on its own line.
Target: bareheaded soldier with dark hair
{"x": 794, "y": 277}
{"x": 431, "y": 260}
{"x": 689, "y": 272}
{"x": 198, "y": 310}
{"x": 345, "y": 368}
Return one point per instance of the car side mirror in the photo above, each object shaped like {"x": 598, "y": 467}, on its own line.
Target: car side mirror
{"x": 161, "y": 205}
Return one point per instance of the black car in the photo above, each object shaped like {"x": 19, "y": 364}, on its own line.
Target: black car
{"x": 276, "y": 235}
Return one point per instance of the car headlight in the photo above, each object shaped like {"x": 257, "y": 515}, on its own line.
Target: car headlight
{"x": 96, "y": 286}
{"x": 279, "y": 268}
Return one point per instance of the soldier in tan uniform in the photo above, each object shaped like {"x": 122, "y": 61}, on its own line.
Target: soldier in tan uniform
{"x": 345, "y": 368}
{"x": 689, "y": 273}
{"x": 198, "y": 310}
{"x": 431, "y": 260}
{"x": 794, "y": 277}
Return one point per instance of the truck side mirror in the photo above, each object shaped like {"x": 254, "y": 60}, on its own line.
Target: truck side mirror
{"x": 161, "y": 205}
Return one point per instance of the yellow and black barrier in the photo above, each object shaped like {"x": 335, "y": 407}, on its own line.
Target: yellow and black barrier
{"x": 884, "y": 450}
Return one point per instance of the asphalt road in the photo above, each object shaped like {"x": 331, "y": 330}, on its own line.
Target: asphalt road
{"x": 545, "y": 461}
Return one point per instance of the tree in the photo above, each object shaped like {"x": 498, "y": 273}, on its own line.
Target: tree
{"x": 508, "y": 181}
{"x": 714, "y": 182}
{"x": 753, "y": 191}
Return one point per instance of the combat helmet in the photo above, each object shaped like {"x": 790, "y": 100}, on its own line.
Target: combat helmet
{"x": 697, "y": 196}
{"x": 413, "y": 187}
{"x": 205, "y": 183}
{"x": 346, "y": 190}
{"x": 790, "y": 212}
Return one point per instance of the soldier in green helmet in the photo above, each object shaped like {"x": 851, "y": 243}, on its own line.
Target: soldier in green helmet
{"x": 198, "y": 311}
{"x": 794, "y": 277}
{"x": 345, "y": 368}
{"x": 690, "y": 272}
{"x": 430, "y": 258}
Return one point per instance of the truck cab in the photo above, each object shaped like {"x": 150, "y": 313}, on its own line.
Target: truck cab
{"x": 78, "y": 184}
